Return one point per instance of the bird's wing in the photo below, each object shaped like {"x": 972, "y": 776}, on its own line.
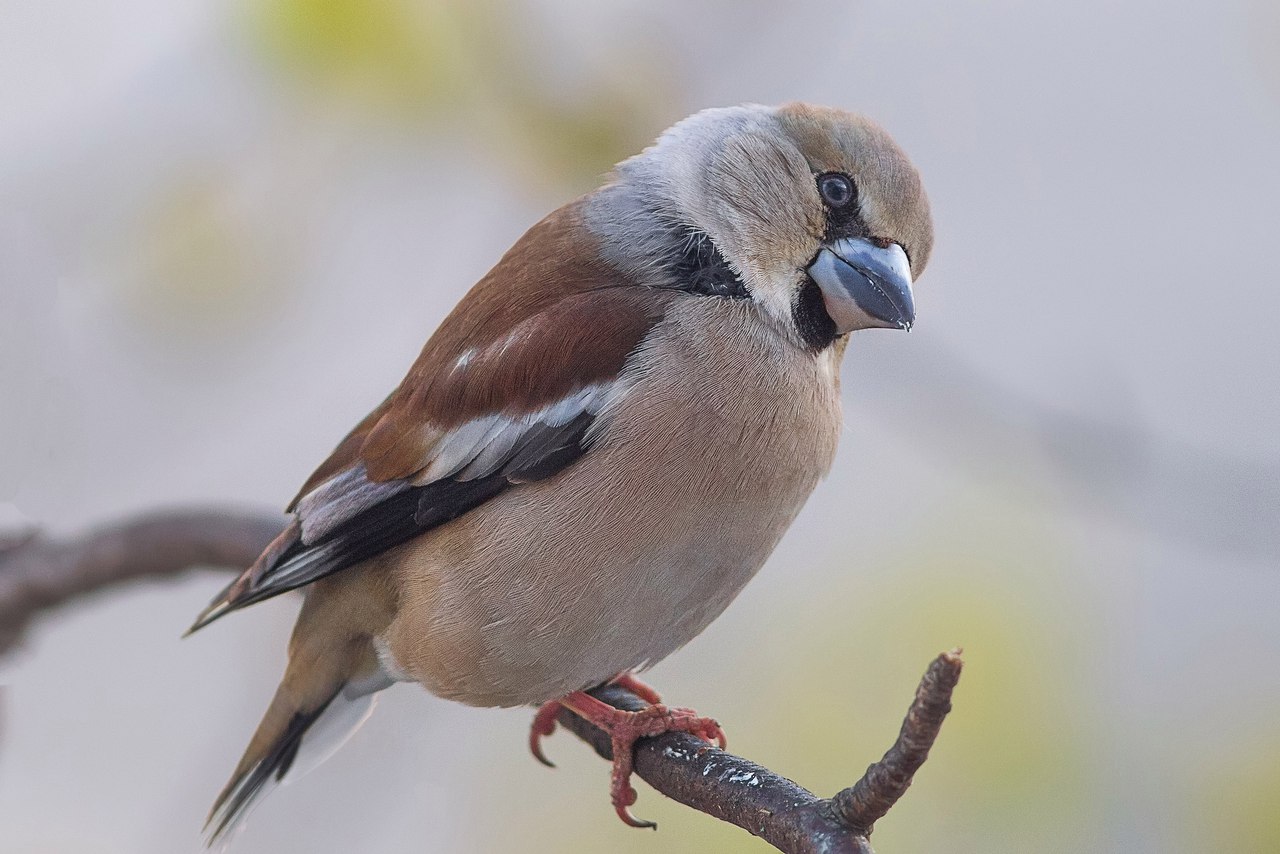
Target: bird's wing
{"x": 503, "y": 393}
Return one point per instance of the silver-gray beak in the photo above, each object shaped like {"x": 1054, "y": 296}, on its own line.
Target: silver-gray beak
{"x": 864, "y": 285}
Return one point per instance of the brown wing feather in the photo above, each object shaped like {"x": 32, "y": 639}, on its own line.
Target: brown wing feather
{"x": 344, "y": 456}
{"x": 548, "y": 322}
{"x": 550, "y": 318}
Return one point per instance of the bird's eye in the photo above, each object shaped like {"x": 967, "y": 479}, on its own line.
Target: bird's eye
{"x": 837, "y": 189}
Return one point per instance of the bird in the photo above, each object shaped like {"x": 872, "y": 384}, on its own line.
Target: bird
{"x": 603, "y": 441}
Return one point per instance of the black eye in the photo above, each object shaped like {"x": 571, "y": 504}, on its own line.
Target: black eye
{"x": 837, "y": 190}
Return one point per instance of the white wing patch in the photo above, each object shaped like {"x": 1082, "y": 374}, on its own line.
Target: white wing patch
{"x": 485, "y": 445}
{"x": 478, "y": 448}
{"x": 340, "y": 498}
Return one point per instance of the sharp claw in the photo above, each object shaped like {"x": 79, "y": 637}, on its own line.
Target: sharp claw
{"x": 544, "y": 724}
{"x": 624, "y": 795}
{"x": 714, "y": 732}
{"x": 535, "y": 747}
{"x": 628, "y": 818}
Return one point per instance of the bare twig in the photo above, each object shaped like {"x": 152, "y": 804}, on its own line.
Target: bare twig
{"x": 866, "y": 801}
{"x": 787, "y": 816}
{"x": 38, "y": 573}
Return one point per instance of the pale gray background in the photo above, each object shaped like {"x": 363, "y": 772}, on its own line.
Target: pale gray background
{"x": 216, "y": 253}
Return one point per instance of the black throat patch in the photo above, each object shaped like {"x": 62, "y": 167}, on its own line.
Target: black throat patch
{"x": 701, "y": 269}
{"x": 810, "y": 315}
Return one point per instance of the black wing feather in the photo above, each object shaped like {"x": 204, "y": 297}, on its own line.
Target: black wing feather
{"x": 401, "y": 516}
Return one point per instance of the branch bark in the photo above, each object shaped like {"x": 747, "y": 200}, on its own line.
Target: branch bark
{"x": 784, "y": 814}
{"x": 38, "y": 573}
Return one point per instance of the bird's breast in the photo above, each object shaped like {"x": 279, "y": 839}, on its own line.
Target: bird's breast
{"x": 716, "y": 432}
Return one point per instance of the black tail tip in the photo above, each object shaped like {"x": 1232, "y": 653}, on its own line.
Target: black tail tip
{"x": 242, "y": 791}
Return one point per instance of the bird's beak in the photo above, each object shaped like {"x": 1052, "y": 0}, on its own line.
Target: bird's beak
{"x": 864, "y": 285}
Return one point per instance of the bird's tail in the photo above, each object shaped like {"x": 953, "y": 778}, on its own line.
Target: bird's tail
{"x": 326, "y": 693}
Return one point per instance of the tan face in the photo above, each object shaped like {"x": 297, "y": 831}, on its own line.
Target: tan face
{"x": 801, "y": 195}
{"x": 891, "y": 198}
{"x": 816, "y": 211}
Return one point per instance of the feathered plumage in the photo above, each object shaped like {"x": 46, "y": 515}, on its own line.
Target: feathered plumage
{"x": 606, "y": 438}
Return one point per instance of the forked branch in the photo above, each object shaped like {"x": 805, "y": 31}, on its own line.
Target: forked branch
{"x": 38, "y": 573}
{"x": 787, "y": 816}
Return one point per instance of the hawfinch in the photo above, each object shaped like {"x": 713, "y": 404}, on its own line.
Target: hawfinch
{"x": 604, "y": 440}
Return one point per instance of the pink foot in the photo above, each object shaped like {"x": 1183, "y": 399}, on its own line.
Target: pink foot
{"x": 643, "y": 690}
{"x": 544, "y": 721}
{"x": 625, "y": 728}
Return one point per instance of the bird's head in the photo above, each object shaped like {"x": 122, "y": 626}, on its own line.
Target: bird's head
{"x": 816, "y": 212}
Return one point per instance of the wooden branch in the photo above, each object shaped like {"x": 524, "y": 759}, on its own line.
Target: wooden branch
{"x": 787, "y": 816}
{"x": 38, "y": 573}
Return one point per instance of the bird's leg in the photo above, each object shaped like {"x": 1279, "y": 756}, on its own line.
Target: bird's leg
{"x": 544, "y": 722}
{"x": 650, "y": 695}
{"x": 624, "y": 729}
{"x": 643, "y": 690}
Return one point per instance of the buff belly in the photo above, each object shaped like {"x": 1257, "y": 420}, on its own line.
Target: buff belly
{"x": 526, "y": 603}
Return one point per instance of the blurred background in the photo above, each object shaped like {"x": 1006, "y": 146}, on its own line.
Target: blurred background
{"x": 227, "y": 228}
